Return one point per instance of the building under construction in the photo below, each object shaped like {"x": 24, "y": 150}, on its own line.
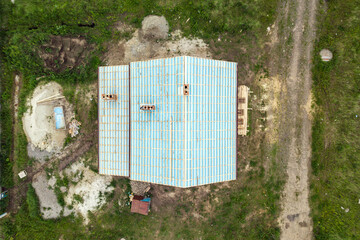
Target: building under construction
{"x": 169, "y": 121}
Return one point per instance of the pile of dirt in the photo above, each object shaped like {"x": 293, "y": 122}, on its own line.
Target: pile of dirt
{"x": 155, "y": 27}
{"x": 38, "y": 121}
{"x": 144, "y": 44}
{"x": 62, "y": 53}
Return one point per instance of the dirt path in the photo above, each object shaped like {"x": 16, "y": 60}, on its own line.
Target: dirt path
{"x": 296, "y": 37}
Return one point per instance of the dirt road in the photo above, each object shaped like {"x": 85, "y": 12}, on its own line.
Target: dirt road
{"x": 295, "y": 34}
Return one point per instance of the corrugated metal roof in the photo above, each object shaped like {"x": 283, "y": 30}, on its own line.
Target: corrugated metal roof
{"x": 114, "y": 121}
{"x": 187, "y": 140}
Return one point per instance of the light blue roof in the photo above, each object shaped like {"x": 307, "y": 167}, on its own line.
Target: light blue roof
{"x": 114, "y": 121}
{"x": 59, "y": 118}
{"x": 187, "y": 140}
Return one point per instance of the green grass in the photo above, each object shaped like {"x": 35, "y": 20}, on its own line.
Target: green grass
{"x": 23, "y": 227}
{"x": 32, "y": 202}
{"x": 6, "y": 118}
{"x": 336, "y": 145}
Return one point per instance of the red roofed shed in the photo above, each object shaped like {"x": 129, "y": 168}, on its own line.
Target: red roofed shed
{"x": 141, "y": 207}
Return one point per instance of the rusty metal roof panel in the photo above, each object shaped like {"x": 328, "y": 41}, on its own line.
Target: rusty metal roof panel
{"x": 114, "y": 121}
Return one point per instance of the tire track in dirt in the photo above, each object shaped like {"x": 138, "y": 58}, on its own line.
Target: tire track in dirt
{"x": 295, "y": 125}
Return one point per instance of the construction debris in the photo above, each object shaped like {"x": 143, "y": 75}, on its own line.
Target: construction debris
{"x": 22, "y": 174}
{"x": 242, "y": 108}
{"x": 50, "y": 99}
{"x": 74, "y": 126}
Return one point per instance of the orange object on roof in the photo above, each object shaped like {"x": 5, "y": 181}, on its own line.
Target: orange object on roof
{"x": 140, "y": 207}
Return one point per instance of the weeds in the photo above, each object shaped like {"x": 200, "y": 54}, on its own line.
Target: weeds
{"x": 32, "y": 202}
{"x": 335, "y": 147}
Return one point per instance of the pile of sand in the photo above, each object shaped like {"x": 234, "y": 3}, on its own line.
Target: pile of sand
{"x": 38, "y": 121}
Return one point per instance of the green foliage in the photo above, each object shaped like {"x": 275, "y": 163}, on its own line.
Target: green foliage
{"x": 235, "y": 210}
{"x": 78, "y": 198}
{"x": 336, "y": 146}
{"x": 32, "y": 202}
{"x": 59, "y": 196}
{"x": 22, "y": 157}
{"x": 22, "y": 226}
{"x": 67, "y": 140}
{"x": 6, "y": 85}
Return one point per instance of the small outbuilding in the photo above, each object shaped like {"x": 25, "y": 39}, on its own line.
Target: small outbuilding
{"x": 140, "y": 205}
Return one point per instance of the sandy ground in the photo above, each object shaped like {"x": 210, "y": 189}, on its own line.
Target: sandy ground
{"x": 91, "y": 188}
{"x": 38, "y": 121}
{"x": 293, "y": 70}
{"x": 144, "y": 46}
{"x": 49, "y": 207}
{"x": 88, "y": 187}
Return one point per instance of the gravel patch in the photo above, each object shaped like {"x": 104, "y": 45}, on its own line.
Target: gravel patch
{"x": 38, "y": 154}
{"x": 89, "y": 193}
{"x": 49, "y": 207}
{"x": 139, "y": 188}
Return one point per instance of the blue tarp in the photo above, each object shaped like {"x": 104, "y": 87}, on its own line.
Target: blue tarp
{"x": 146, "y": 200}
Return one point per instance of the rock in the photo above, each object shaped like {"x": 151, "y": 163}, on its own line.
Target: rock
{"x": 326, "y": 55}
{"x": 63, "y": 189}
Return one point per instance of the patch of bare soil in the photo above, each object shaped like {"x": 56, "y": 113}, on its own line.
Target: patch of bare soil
{"x": 62, "y": 53}
{"x": 87, "y": 190}
{"x": 153, "y": 41}
{"x": 166, "y": 198}
{"x": 139, "y": 188}
{"x": 49, "y": 206}
{"x": 38, "y": 121}
{"x": 293, "y": 70}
